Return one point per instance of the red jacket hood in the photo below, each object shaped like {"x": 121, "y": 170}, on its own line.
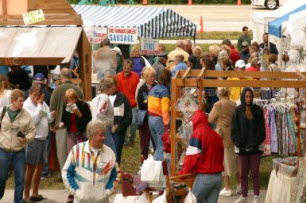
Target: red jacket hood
{"x": 199, "y": 120}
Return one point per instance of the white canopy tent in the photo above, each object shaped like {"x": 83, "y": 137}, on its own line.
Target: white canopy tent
{"x": 295, "y": 29}
{"x": 260, "y": 20}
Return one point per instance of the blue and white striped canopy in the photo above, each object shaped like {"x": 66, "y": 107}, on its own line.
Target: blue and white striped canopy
{"x": 151, "y": 22}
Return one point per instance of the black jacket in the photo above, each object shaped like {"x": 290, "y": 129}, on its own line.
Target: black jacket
{"x": 247, "y": 134}
{"x": 122, "y": 122}
{"x": 272, "y": 48}
{"x": 80, "y": 122}
{"x": 143, "y": 94}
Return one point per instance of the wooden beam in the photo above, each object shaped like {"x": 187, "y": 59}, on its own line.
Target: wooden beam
{"x": 17, "y": 61}
{"x": 241, "y": 83}
{"x": 241, "y": 74}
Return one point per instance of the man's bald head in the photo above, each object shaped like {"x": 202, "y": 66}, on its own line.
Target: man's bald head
{"x": 66, "y": 74}
{"x": 180, "y": 43}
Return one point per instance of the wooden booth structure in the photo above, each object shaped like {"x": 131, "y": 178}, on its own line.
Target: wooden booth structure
{"x": 49, "y": 42}
{"x": 201, "y": 79}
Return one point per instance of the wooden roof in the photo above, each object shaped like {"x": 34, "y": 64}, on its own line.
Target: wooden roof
{"x": 57, "y": 12}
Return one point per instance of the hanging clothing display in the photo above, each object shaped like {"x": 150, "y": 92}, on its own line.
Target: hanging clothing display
{"x": 280, "y": 127}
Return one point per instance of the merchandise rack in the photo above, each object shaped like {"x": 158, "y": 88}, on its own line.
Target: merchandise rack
{"x": 201, "y": 79}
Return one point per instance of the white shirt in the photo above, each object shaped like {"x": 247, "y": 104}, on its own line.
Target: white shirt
{"x": 102, "y": 109}
{"x": 41, "y": 117}
{"x": 5, "y": 99}
{"x": 112, "y": 99}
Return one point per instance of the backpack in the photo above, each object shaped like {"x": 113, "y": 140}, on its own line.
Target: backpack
{"x": 2, "y": 115}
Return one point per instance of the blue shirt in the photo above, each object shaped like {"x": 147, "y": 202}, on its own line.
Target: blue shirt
{"x": 4, "y": 70}
{"x": 180, "y": 66}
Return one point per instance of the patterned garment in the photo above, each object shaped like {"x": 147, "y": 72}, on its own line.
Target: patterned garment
{"x": 279, "y": 132}
{"x": 267, "y": 142}
{"x": 273, "y": 130}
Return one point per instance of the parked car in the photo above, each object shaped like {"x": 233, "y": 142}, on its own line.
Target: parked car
{"x": 269, "y": 4}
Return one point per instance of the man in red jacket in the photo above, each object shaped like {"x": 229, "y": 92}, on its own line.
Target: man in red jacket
{"x": 204, "y": 158}
{"x": 127, "y": 83}
{"x": 234, "y": 55}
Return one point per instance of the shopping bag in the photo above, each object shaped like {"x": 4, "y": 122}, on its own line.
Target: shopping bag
{"x": 151, "y": 171}
{"x": 161, "y": 199}
{"x": 190, "y": 198}
{"x": 142, "y": 199}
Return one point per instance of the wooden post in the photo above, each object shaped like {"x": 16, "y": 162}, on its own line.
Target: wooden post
{"x": 84, "y": 51}
{"x": 4, "y": 7}
{"x": 173, "y": 128}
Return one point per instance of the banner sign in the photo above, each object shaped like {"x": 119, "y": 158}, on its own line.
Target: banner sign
{"x": 33, "y": 17}
{"x": 96, "y": 35}
{"x": 122, "y": 35}
{"x": 149, "y": 46}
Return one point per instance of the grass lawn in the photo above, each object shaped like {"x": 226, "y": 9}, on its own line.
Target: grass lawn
{"x": 214, "y": 36}
{"x": 131, "y": 162}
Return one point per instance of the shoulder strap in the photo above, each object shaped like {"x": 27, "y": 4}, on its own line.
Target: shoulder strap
{"x": 2, "y": 115}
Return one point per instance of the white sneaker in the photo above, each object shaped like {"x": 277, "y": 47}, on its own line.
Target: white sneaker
{"x": 256, "y": 199}
{"x": 226, "y": 192}
{"x": 241, "y": 200}
{"x": 238, "y": 189}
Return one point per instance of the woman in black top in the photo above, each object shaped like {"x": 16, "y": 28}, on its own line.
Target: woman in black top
{"x": 248, "y": 133}
{"x": 75, "y": 118}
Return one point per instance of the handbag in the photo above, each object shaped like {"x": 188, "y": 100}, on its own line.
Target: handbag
{"x": 140, "y": 116}
{"x": 219, "y": 130}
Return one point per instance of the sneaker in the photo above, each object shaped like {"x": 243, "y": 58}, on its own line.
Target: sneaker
{"x": 238, "y": 189}
{"x": 226, "y": 192}
{"x": 241, "y": 200}
{"x": 256, "y": 199}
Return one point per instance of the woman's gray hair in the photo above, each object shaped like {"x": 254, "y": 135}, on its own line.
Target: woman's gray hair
{"x": 106, "y": 83}
{"x": 93, "y": 126}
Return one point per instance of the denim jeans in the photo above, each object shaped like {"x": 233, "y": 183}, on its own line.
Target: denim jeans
{"x": 157, "y": 129}
{"x": 18, "y": 160}
{"x": 45, "y": 171}
{"x": 206, "y": 187}
{"x": 109, "y": 141}
{"x": 132, "y": 127}
{"x": 119, "y": 141}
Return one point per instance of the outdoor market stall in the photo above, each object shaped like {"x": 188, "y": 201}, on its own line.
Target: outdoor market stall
{"x": 198, "y": 80}
{"x": 48, "y": 38}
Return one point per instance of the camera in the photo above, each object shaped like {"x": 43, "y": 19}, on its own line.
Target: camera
{"x": 20, "y": 134}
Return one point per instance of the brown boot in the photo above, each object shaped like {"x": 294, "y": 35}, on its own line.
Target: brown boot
{"x": 132, "y": 143}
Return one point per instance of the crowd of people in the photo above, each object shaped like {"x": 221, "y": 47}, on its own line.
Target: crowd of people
{"x": 90, "y": 135}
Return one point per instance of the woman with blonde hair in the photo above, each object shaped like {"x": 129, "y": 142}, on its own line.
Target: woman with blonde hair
{"x": 75, "y": 118}
{"x": 138, "y": 61}
{"x": 142, "y": 100}
{"x": 221, "y": 114}
{"x": 213, "y": 53}
{"x": 5, "y": 92}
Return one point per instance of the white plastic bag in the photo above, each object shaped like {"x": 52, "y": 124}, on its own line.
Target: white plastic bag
{"x": 190, "y": 198}
{"x": 152, "y": 171}
{"x": 161, "y": 199}
{"x": 142, "y": 198}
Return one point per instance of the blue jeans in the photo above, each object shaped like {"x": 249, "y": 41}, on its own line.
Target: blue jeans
{"x": 157, "y": 129}
{"x": 132, "y": 127}
{"x": 45, "y": 171}
{"x": 109, "y": 141}
{"x": 18, "y": 160}
{"x": 206, "y": 187}
{"x": 119, "y": 141}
